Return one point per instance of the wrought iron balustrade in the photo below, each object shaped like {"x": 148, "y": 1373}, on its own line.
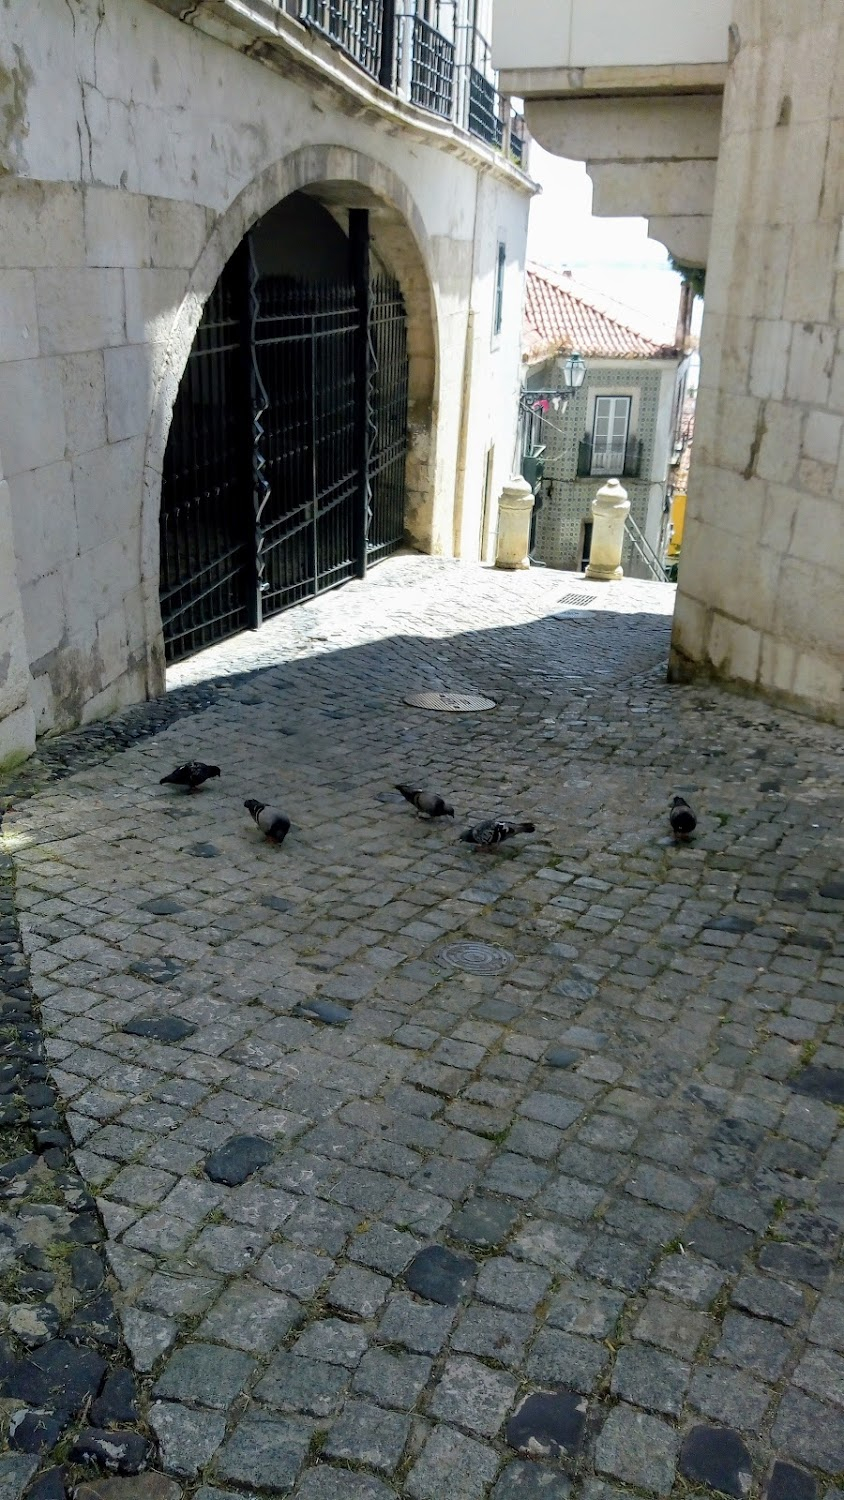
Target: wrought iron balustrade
{"x": 355, "y": 26}
{"x": 431, "y": 69}
{"x": 518, "y": 138}
{"x": 484, "y": 116}
{"x": 621, "y": 460}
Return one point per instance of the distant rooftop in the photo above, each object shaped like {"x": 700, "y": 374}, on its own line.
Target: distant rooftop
{"x": 561, "y": 316}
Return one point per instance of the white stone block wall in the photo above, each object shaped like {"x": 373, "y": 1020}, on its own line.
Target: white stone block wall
{"x": 108, "y": 249}
{"x": 761, "y": 594}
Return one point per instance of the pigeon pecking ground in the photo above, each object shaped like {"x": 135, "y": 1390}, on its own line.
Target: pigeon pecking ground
{"x": 369, "y": 1225}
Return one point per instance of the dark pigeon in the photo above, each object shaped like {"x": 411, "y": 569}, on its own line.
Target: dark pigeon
{"x": 191, "y": 775}
{"x": 426, "y": 802}
{"x": 682, "y": 819}
{"x": 272, "y": 823}
{"x": 494, "y": 831}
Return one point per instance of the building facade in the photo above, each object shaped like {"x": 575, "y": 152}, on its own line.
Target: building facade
{"x": 622, "y": 422}
{"x": 260, "y": 301}
{"x": 722, "y": 121}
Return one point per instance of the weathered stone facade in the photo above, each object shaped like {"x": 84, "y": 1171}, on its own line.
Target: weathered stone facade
{"x": 135, "y": 154}
{"x": 761, "y": 597}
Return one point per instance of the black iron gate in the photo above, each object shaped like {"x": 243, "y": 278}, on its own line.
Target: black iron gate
{"x": 284, "y": 473}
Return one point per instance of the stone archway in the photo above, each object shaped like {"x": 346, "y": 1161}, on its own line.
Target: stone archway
{"x": 340, "y": 179}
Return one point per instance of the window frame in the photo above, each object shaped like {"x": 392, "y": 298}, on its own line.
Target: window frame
{"x": 602, "y": 469}
{"x": 500, "y": 275}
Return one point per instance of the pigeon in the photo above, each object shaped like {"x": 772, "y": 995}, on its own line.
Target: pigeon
{"x": 191, "y": 774}
{"x": 271, "y": 822}
{"x": 426, "y": 802}
{"x": 493, "y": 831}
{"x": 682, "y": 819}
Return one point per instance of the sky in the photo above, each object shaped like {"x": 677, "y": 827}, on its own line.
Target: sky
{"x": 614, "y": 256}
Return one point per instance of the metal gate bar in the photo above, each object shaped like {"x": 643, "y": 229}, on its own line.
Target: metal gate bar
{"x": 388, "y": 462}
{"x": 204, "y": 524}
{"x": 284, "y": 473}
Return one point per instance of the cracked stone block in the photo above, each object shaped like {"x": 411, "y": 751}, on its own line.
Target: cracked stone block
{"x": 238, "y": 1158}
{"x": 439, "y": 1275}
{"x": 730, "y": 1396}
{"x": 156, "y": 970}
{"x": 288, "y": 1269}
{"x": 34, "y": 1431}
{"x": 564, "y": 1359}
{"x": 484, "y": 1222}
{"x": 265, "y": 1453}
{"x": 421, "y": 1329}
{"x": 119, "y": 1452}
{"x": 587, "y": 1308}
{"x": 148, "y": 1336}
{"x": 332, "y": 1340}
{"x": 787, "y": 1482}
{"x": 688, "y": 1279}
{"x": 294, "y": 1383}
{"x": 647, "y": 1377}
{"x": 392, "y": 1379}
{"x": 638, "y": 1449}
{"x": 512, "y": 1284}
{"x": 228, "y": 1250}
{"x": 494, "y": 1334}
{"x": 670, "y": 1326}
{"x": 531, "y": 1481}
{"x": 718, "y": 1458}
{"x": 452, "y": 1465}
{"x": 548, "y": 1425}
{"x": 250, "y": 1317}
{"x": 474, "y": 1396}
{"x": 366, "y": 1434}
{"x": 358, "y": 1291}
{"x": 188, "y": 1439}
{"x": 753, "y": 1345}
{"x": 206, "y": 1374}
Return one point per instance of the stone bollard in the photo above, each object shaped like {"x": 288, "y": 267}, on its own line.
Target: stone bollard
{"x": 610, "y": 509}
{"x": 514, "y": 511}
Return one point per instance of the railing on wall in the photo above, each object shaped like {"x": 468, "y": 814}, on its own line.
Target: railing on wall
{"x": 355, "y": 26}
{"x": 449, "y": 75}
{"x": 431, "y": 69}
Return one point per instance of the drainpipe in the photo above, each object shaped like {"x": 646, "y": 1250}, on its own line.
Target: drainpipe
{"x": 463, "y": 438}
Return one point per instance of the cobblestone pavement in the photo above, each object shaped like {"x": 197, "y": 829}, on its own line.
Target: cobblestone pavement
{"x": 377, "y": 1226}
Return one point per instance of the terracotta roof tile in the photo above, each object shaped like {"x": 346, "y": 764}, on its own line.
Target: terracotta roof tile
{"x": 561, "y": 316}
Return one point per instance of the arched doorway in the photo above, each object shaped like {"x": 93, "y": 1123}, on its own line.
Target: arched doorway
{"x": 284, "y": 471}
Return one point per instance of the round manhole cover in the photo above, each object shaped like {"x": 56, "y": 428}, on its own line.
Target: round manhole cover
{"x": 450, "y": 703}
{"x": 476, "y": 958}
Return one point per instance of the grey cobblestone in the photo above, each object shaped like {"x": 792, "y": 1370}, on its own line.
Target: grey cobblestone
{"x": 655, "y": 1225}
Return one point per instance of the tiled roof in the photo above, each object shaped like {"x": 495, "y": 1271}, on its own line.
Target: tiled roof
{"x": 560, "y": 316}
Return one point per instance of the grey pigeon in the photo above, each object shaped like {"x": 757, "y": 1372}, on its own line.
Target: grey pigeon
{"x": 191, "y": 775}
{"x": 271, "y": 822}
{"x": 493, "y": 831}
{"x": 682, "y": 819}
{"x": 426, "y": 802}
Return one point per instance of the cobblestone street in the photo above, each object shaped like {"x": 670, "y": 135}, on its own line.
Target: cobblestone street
{"x": 376, "y": 1226}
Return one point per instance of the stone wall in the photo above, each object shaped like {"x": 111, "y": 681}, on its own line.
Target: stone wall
{"x": 761, "y": 596}
{"x": 136, "y": 156}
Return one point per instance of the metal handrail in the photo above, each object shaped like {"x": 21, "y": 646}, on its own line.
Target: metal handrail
{"x": 640, "y": 544}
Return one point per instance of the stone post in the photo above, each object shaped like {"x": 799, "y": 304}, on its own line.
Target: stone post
{"x": 610, "y": 509}
{"x": 514, "y": 511}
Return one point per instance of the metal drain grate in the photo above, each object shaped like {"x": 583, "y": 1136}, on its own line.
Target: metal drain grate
{"x": 450, "y": 703}
{"x": 475, "y": 958}
{"x": 578, "y": 599}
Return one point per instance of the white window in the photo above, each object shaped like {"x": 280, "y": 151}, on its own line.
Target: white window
{"x": 610, "y": 431}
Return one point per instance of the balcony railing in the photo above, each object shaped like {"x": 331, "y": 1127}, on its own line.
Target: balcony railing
{"x": 449, "y": 76}
{"x": 355, "y": 26}
{"x": 621, "y": 460}
{"x": 431, "y": 69}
